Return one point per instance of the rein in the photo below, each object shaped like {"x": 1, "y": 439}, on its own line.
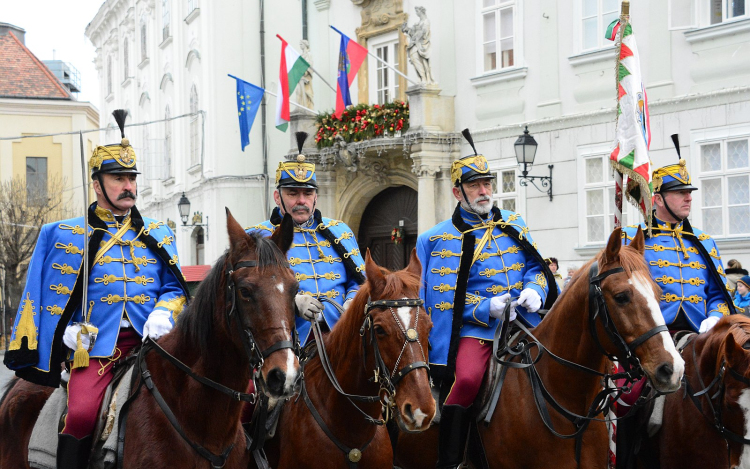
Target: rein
{"x": 382, "y": 375}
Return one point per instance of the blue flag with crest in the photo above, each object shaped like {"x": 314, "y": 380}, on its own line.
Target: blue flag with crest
{"x": 249, "y": 98}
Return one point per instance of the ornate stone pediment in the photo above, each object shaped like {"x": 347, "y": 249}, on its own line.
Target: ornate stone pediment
{"x": 379, "y": 16}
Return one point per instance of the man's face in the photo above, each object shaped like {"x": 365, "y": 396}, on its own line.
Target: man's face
{"x": 679, "y": 202}
{"x": 478, "y": 195}
{"x": 299, "y": 201}
{"x": 121, "y": 190}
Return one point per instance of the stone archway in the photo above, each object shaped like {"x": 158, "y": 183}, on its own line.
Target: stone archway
{"x": 394, "y": 207}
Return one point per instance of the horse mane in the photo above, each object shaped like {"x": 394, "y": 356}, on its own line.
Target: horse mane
{"x": 350, "y": 322}
{"x": 196, "y": 320}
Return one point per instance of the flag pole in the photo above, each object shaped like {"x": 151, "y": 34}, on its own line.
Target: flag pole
{"x": 321, "y": 77}
{"x": 292, "y": 102}
{"x": 381, "y": 61}
{"x": 619, "y": 189}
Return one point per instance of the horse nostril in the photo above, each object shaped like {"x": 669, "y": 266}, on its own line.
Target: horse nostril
{"x": 275, "y": 381}
{"x": 664, "y": 372}
{"x": 407, "y": 411}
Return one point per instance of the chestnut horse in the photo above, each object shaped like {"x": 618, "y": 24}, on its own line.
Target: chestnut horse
{"x": 573, "y": 330}
{"x": 708, "y": 429}
{"x": 378, "y": 347}
{"x": 241, "y": 319}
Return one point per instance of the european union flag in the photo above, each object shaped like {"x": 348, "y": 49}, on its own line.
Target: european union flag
{"x": 249, "y": 98}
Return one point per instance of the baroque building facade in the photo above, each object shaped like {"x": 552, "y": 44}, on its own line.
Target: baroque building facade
{"x": 500, "y": 65}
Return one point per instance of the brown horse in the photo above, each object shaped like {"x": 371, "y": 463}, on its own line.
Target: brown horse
{"x": 221, "y": 337}
{"x": 706, "y": 429}
{"x": 516, "y": 436}
{"x": 379, "y": 346}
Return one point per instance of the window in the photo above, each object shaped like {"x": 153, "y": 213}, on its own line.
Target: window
{"x": 36, "y": 180}
{"x": 194, "y": 142}
{"x": 165, "y": 19}
{"x": 598, "y": 199}
{"x": 384, "y": 85}
{"x": 199, "y": 240}
{"x": 144, "y": 157}
{"x": 596, "y": 15}
{"x": 725, "y": 187}
{"x": 125, "y": 60}
{"x": 192, "y": 5}
{"x": 109, "y": 75}
{"x": 724, "y": 10}
{"x": 498, "y": 41}
{"x": 144, "y": 44}
{"x": 507, "y": 189}
{"x": 168, "y": 144}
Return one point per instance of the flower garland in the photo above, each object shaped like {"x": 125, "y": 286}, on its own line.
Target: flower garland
{"x": 362, "y": 122}
{"x": 397, "y": 236}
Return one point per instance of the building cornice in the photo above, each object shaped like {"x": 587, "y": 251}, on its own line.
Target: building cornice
{"x": 20, "y": 106}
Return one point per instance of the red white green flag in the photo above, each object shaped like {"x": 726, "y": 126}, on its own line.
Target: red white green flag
{"x": 293, "y": 67}
{"x": 633, "y": 134}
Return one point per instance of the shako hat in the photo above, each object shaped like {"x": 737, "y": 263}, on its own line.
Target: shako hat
{"x": 673, "y": 177}
{"x": 470, "y": 167}
{"x": 115, "y": 158}
{"x": 297, "y": 173}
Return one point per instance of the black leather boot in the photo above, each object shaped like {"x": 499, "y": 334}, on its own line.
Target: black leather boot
{"x": 454, "y": 430}
{"x": 73, "y": 453}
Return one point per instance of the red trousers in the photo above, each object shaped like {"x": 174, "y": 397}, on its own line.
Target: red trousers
{"x": 87, "y": 386}
{"x": 471, "y": 364}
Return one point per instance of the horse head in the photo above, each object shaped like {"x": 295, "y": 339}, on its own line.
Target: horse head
{"x": 399, "y": 332}
{"x": 260, "y": 302}
{"x": 637, "y": 334}
{"x": 732, "y": 335}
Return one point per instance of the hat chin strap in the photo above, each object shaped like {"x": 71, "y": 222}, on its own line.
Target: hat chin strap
{"x": 468, "y": 207}
{"x": 283, "y": 205}
{"x": 666, "y": 205}
{"x": 104, "y": 191}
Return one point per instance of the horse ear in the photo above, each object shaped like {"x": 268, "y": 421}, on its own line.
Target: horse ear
{"x": 238, "y": 239}
{"x": 733, "y": 352}
{"x": 375, "y": 276}
{"x": 639, "y": 242}
{"x": 612, "y": 251}
{"x": 415, "y": 266}
{"x": 284, "y": 234}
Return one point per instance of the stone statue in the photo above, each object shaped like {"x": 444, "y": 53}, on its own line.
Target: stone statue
{"x": 419, "y": 46}
{"x": 347, "y": 158}
{"x": 305, "y": 88}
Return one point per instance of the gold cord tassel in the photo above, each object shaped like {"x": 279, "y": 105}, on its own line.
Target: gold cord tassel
{"x": 81, "y": 355}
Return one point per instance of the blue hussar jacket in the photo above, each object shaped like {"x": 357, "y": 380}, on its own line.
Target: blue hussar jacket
{"x": 134, "y": 271}
{"x": 686, "y": 264}
{"x": 458, "y": 283}
{"x": 326, "y": 261}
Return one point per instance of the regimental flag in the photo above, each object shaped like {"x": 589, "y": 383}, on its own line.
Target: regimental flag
{"x": 351, "y": 56}
{"x": 633, "y": 134}
{"x": 293, "y": 67}
{"x": 249, "y": 98}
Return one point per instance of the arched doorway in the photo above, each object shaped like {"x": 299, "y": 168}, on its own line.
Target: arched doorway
{"x": 395, "y": 207}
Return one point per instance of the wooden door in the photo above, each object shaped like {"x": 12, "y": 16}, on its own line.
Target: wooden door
{"x": 382, "y": 215}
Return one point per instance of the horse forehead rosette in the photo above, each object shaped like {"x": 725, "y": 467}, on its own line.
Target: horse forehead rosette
{"x": 469, "y": 168}
{"x": 297, "y": 173}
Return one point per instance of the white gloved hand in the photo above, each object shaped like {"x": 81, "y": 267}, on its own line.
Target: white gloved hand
{"x": 497, "y": 306}
{"x": 530, "y": 300}
{"x": 157, "y": 324}
{"x": 708, "y": 323}
{"x": 70, "y": 337}
{"x": 307, "y": 306}
{"x": 347, "y": 303}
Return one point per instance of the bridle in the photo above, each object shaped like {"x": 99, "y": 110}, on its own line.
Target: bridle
{"x": 382, "y": 375}
{"x": 255, "y": 355}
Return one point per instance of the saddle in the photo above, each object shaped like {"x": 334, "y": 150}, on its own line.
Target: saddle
{"x": 51, "y": 420}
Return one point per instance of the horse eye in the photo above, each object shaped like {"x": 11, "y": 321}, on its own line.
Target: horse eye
{"x": 246, "y": 293}
{"x": 380, "y": 331}
{"x": 746, "y": 345}
{"x": 622, "y": 298}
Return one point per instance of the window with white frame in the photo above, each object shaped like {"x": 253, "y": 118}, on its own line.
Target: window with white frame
{"x": 506, "y": 191}
{"x": 727, "y": 10}
{"x": 194, "y": 144}
{"x": 165, "y": 19}
{"x": 192, "y": 5}
{"x": 498, "y": 34}
{"x": 109, "y": 75}
{"x": 383, "y": 86}
{"x": 144, "y": 37}
{"x": 167, "y": 144}
{"x": 596, "y": 15}
{"x": 144, "y": 159}
{"x": 125, "y": 60}
{"x": 725, "y": 187}
{"x": 598, "y": 199}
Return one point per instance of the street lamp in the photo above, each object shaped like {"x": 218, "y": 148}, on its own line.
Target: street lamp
{"x": 525, "y": 148}
{"x": 183, "y": 206}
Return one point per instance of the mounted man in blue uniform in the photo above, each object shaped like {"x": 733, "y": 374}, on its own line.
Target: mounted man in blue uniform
{"x": 135, "y": 289}
{"x": 472, "y": 266}
{"x": 324, "y": 255}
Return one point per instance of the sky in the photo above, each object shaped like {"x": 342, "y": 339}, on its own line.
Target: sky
{"x": 56, "y": 29}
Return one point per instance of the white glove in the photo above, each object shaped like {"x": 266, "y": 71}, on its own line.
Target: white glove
{"x": 530, "y": 300}
{"x": 307, "y": 306}
{"x": 157, "y": 324}
{"x": 708, "y": 323}
{"x": 347, "y": 303}
{"x": 70, "y": 337}
{"x": 497, "y": 306}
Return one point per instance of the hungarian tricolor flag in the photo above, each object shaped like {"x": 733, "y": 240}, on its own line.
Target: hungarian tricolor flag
{"x": 351, "y": 56}
{"x": 633, "y": 134}
{"x": 293, "y": 66}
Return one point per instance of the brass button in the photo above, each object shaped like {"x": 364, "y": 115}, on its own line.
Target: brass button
{"x": 411, "y": 335}
{"x": 355, "y": 455}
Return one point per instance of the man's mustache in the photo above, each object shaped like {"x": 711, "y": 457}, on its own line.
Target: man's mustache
{"x": 126, "y": 195}
{"x": 300, "y": 208}
{"x": 482, "y": 198}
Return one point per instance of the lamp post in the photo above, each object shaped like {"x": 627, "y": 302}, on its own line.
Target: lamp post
{"x": 525, "y": 148}
{"x": 183, "y": 206}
